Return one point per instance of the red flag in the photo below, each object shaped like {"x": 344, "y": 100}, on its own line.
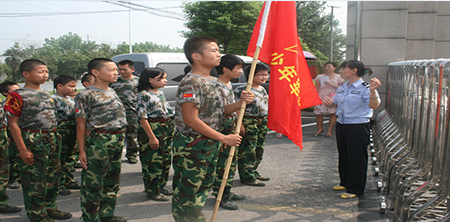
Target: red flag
{"x": 291, "y": 87}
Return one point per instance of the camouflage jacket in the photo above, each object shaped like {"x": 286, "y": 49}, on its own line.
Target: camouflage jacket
{"x": 102, "y": 109}
{"x": 152, "y": 105}
{"x": 228, "y": 95}
{"x": 127, "y": 91}
{"x": 208, "y": 97}
{"x": 260, "y": 105}
{"x": 2, "y": 114}
{"x": 35, "y": 109}
{"x": 65, "y": 107}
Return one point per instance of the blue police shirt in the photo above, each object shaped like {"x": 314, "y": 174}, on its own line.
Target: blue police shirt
{"x": 353, "y": 103}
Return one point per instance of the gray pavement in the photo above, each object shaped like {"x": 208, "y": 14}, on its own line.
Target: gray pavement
{"x": 299, "y": 189}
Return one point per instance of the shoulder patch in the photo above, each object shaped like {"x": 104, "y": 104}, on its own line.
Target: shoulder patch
{"x": 366, "y": 84}
{"x": 188, "y": 95}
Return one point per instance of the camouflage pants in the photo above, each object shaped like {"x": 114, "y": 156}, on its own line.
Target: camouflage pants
{"x": 13, "y": 160}
{"x": 131, "y": 136}
{"x": 194, "y": 174}
{"x": 251, "y": 150}
{"x": 229, "y": 125}
{"x": 68, "y": 146}
{"x": 40, "y": 181}
{"x": 100, "y": 182}
{"x": 156, "y": 163}
{"x": 4, "y": 167}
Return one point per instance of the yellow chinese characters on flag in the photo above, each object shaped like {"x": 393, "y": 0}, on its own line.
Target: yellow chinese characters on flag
{"x": 291, "y": 88}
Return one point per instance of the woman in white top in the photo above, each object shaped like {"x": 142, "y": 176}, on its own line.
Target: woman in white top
{"x": 326, "y": 85}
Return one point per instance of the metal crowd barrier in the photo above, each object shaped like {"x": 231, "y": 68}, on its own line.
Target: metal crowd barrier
{"x": 411, "y": 142}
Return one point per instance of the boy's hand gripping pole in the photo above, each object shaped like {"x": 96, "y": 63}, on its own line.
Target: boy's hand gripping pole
{"x": 237, "y": 131}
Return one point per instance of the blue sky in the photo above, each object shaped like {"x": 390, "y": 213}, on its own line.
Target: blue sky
{"x": 110, "y": 28}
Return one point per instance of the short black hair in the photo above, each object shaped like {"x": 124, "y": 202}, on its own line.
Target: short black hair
{"x": 196, "y": 44}
{"x": 97, "y": 63}
{"x": 4, "y": 86}
{"x": 332, "y": 63}
{"x": 29, "y": 64}
{"x": 63, "y": 80}
{"x": 259, "y": 66}
{"x": 126, "y": 62}
{"x": 355, "y": 64}
{"x": 229, "y": 61}
{"x": 86, "y": 77}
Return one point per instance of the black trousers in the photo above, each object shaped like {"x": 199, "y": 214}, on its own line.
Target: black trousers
{"x": 352, "y": 141}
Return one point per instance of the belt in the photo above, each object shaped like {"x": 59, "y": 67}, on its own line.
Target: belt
{"x": 255, "y": 117}
{"x": 110, "y": 131}
{"x": 67, "y": 120}
{"x": 229, "y": 116}
{"x": 40, "y": 131}
{"x": 191, "y": 144}
{"x": 157, "y": 119}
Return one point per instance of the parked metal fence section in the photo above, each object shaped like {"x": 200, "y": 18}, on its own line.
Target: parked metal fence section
{"x": 411, "y": 141}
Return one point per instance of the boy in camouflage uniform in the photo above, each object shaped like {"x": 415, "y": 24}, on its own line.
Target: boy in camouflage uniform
{"x": 4, "y": 166}
{"x": 126, "y": 89}
{"x": 198, "y": 120}
{"x": 65, "y": 106}
{"x": 101, "y": 123}
{"x": 156, "y": 134}
{"x": 251, "y": 151}
{"x": 6, "y": 88}
{"x": 230, "y": 67}
{"x": 32, "y": 121}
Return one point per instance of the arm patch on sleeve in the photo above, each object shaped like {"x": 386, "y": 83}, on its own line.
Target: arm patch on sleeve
{"x": 14, "y": 104}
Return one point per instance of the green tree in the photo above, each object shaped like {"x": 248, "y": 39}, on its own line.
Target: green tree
{"x": 142, "y": 47}
{"x": 153, "y": 47}
{"x": 4, "y": 70}
{"x": 230, "y": 22}
{"x": 314, "y": 29}
{"x": 14, "y": 56}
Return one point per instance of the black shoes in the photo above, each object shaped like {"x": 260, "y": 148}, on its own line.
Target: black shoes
{"x": 8, "y": 209}
{"x": 132, "y": 160}
{"x": 73, "y": 186}
{"x": 157, "y": 197}
{"x": 262, "y": 178}
{"x": 166, "y": 192}
{"x": 64, "y": 191}
{"x": 113, "y": 219}
{"x": 229, "y": 205}
{"x": 59, "y": 215}
{"x": 234, "y": 196}
{"x": 13, "y": 184}
{"x": 255, "y": 183}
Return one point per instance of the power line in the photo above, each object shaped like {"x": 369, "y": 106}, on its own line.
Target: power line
{"x": 154, "y": 9}
{"x": 149, "y": 10}
{"x": 22, "y": 14}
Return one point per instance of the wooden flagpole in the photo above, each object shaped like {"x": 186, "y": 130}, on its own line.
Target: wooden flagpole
{"x": 242, "y": 110}
{"x": 237, "y": 131}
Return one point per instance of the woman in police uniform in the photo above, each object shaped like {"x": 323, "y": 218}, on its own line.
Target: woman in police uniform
{"x": 355, "y": 101}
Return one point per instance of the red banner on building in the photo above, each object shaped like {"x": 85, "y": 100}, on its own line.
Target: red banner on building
{"x": 291, "y": 88}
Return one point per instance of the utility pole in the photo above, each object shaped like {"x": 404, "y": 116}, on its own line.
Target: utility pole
{"x": 331, "y": 32}
{"x": 129, "y": 26}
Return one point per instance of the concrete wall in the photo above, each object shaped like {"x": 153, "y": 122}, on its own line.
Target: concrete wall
{"x": 379, "y": 32}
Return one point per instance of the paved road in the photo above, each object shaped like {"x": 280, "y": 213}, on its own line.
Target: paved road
{"x": 299, "y": 190}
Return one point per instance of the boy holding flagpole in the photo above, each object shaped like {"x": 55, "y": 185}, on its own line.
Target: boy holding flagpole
{"x": 198, "y": 119}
